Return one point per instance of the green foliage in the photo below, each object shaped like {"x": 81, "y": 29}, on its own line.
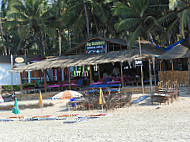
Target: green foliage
{"x": 35, "y": 25}
{"x": 8, "y": 87}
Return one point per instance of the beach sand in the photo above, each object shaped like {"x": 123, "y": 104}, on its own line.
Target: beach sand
{"x": 139, "y": 122}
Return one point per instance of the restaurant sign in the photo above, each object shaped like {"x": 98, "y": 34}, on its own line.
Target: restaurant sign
{"x": 19, "y": 61}
{"x": 138, "y": 62}
{"x": 94, "y": 47}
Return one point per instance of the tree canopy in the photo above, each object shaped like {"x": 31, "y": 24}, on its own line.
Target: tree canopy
{"x": 44, "y": 27}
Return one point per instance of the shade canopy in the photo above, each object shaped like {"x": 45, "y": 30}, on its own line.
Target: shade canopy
{"x": 68, "y": 94}
{"x": 92, "y": 59}
{"x": 177, "y": 52}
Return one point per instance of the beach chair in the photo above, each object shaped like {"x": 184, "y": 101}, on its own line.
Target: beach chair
{"x": 173, "y": 90}
{"x": 161, "y": 94}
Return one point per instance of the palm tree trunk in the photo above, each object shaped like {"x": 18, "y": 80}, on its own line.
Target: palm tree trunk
{"x": 189, "y": 32}
{"x": 1, "y": 28}
{"x": 59, "y": 34}
{"x": 189, "y": 48}
{"x": 39, "y": 43}
{"x": 87, "y": 22}
{"x": 69, "y": 38}
{"x": 18, "y": 47}
{"x": 96, "y": 24}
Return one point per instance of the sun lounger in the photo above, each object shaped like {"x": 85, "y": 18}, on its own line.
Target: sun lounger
{"x": 165, "y": 92}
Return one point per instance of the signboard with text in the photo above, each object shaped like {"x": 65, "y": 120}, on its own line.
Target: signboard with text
{"x": 19, "y": 61}
{"x": 138, "y": 62}
{"x": 95, "y": 47}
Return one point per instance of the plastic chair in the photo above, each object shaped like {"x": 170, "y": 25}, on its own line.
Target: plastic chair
{"x": 73, "y": 104}
{"x": 107, "y": 80}
{"x": 79, "y": 82}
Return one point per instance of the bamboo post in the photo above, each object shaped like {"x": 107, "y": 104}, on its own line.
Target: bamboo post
{"x": 69, "y": 78}
{"x": 90, "y": 74}
{"x": 172, "y": 65}
{"x": 99, "y": 78}
{"x": 161, "y": 65}
{"x": 21, "y": 86}
{"x": 45, "y": 83}
{"x": 62, "y": 74}
{"x": 154, "y": 70}
{"x": 142, "y": 83}
{"x": 189, "y": 69}
{"x": 150, "y": 75}
{"x": 11, "y": 72}
{"x": 172, "y": 77}
{"x": 122, "y": 81}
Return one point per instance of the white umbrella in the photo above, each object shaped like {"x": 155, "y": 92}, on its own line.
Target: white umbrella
{"x": 68, "y": 94}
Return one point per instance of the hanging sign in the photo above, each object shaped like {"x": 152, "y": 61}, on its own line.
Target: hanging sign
{"x": 138, "y": 62}
{"x": 95, "y": 47}
{"x": 19, "y": 61}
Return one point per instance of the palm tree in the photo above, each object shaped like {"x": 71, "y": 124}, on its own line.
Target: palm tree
{"x": 3, "y": 13}
{"x": 85, "y": 14}
{"x": 177, "y": 20}
{"x": 29, "y": 15}
{"x": 135, "y": 19}
{"x": 55, "y": 22}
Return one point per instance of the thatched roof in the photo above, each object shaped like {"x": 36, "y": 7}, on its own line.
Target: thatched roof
{"x": 92, "y": 59}
{"x": 178, "y": 51}
{"x": 111, "y": 40}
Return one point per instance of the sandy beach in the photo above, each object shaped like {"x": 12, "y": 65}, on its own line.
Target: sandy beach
{"x": 140, "y": 122}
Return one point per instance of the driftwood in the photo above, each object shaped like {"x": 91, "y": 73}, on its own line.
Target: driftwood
{"x": 113, "y": 101}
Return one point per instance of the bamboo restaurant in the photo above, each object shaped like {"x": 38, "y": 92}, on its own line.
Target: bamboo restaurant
{"x": 96, "y": 61}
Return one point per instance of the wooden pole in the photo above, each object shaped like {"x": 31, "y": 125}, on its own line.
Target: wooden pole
{"x": 172, "y": 65}
{"x": 161, "y": 65}
{"x": 150, "y": 76}
{"x": 142, "y": 83}
{"x": 11, "y": 72}
{"x": 122, "y": 81}
{"x": 189, "y": 69}
{"x": 90, "y": 74}
{"x": 154, "y": 70}
{"x": 45, "y": 83}
{"x": 21, "y": 86}
{"x": 69, "y": 78}
{"x": 99, "y": 78}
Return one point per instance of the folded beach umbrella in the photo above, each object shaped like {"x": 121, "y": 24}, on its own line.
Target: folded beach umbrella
{"x": 101, "y": 99}
{"x": 67, "y": 94}
{"x": 40, "y": 100}
{"x": 15, "y": 109}
{"x": 1, "y": 99}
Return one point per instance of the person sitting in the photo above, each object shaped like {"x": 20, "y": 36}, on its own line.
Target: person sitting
{"x": 105, "y": 75}
{"x": 116, "y": 72}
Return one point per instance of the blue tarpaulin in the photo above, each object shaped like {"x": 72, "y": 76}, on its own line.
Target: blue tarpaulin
{"x": 169, "y": 47}
{"x": 141, "y": 98}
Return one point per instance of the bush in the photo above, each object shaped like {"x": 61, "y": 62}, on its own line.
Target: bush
{"x": 8, "y": 87}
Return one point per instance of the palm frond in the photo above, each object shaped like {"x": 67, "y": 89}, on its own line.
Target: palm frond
{"x": 135, "y": 35}
{"x": 127, "y": 24}
{"x": 167, "y": 19}
{"x": 119, "y": 9}
{"x": 184, "y": 19}
{"x": 173, "y": 27}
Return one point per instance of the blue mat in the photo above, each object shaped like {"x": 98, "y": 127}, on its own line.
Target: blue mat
{"x": 141, "y": 98}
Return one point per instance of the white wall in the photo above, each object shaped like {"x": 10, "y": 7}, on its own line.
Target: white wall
{"x": 5, "y": 75}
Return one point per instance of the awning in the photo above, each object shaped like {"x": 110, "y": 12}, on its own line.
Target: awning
{"x": 176, "y": 52}
{"x": 92, "y": 59}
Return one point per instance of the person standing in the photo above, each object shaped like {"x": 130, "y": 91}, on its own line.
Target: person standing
{"x": 13, "y": 95}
